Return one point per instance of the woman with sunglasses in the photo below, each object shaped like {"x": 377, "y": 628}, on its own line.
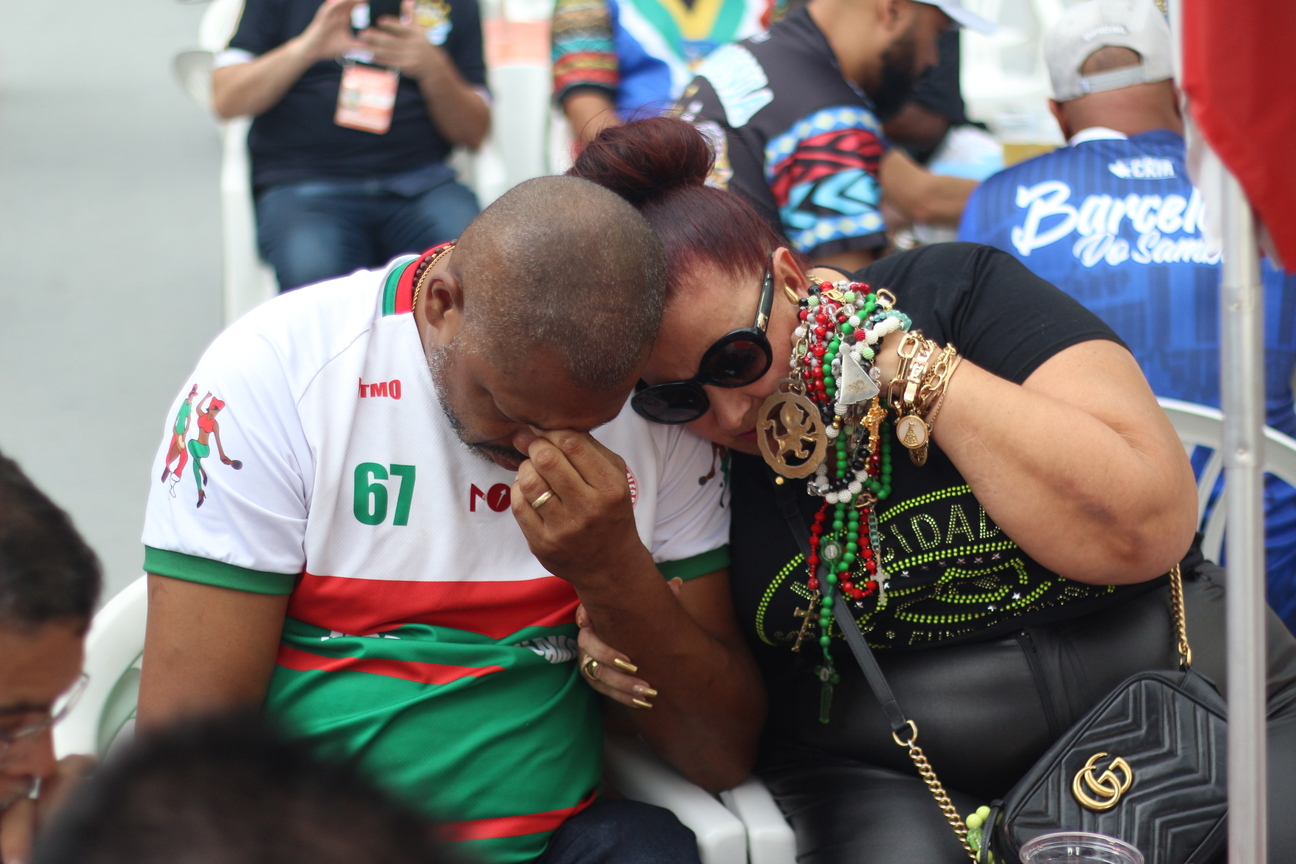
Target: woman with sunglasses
{"x": 957, "y": 456}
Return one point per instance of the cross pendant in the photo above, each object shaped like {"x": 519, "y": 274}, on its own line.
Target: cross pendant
{"x": 808, "y": 618}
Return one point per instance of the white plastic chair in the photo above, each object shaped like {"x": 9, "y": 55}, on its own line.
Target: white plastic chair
{"x": 114, "y": 647}
{"x": 747, "y": 827}
{"x": 1199, "y": 426}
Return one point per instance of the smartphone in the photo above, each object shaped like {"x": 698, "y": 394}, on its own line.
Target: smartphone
{"x": 378, "y": 8}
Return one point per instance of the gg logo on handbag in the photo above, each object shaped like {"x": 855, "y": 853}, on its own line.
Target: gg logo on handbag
{"x": 1108, "y": 787}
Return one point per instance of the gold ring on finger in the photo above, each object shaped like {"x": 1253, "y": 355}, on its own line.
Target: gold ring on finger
{"x": 542, "y": 500}
{"x": 589, "y": 668}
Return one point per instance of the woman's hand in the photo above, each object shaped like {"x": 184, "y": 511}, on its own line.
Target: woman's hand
{"x": 612, "y": 673}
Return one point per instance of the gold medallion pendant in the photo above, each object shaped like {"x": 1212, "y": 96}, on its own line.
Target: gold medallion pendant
{"x": 791, "y": 432}
{"x": 913, "y": 434}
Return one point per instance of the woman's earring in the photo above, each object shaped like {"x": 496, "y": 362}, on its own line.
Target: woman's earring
{"x": 790, "y": 431}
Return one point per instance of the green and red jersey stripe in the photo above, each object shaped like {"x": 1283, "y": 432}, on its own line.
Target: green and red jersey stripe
{"x": 495, "y": 609}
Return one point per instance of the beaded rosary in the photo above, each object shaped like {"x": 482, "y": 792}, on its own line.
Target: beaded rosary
{"x": 831, "y": 400}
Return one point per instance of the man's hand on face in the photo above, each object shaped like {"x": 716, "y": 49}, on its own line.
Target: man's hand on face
{"x": 329, "y": 33}
{"x": 24, "y": 817}
{"x": 404, "y": 46}
{"x": 584, "y": 531}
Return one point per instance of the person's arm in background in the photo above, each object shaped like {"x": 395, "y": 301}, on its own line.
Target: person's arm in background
{"x": 916, "y": 127}
{"x": 920, "y": 194}
{"x": 589, "y": 112}
{"x": 452, "y": 87}
{"x": 585, "y": 69}
{"x": 256, "y": 86}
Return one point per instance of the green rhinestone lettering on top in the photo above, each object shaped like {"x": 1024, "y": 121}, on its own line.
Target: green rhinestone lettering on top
{"x": 788, "y": 569}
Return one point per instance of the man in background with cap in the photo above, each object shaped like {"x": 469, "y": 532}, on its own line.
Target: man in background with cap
{"x": 793, "y": 117}
{"x": 1113, "y": 220}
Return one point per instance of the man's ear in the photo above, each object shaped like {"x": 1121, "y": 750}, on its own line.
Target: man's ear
{"x": 443, "y": 309}
{"x": 1059, "y": 114}
{"x": 893, "y": 15}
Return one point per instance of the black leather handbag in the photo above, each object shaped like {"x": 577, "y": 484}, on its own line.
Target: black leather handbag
{"x": 1146, "y": 765}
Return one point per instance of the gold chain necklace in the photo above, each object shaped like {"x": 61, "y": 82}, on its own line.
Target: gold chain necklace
{"x": 422, "y": 279}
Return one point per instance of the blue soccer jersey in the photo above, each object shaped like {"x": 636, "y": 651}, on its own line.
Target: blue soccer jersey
{"x": 1116, "y": 223}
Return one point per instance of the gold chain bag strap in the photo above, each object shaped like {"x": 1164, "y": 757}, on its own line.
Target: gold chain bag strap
{"x": 1160, "y": 738}
{"x": 1164, "y": 765}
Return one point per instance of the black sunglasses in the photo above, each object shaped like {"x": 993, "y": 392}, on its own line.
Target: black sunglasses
{"x": 738, "y": 358}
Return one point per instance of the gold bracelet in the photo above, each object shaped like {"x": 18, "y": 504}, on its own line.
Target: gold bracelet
{"x": 911, "y": 429}
{"x": 937, "y": 376}
{"x": 906, "y": 350}
{"x": 940, "y": 399}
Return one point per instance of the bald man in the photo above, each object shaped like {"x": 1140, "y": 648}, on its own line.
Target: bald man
{"x": 1113, "y": 220}
{"x": 358, "y": 570}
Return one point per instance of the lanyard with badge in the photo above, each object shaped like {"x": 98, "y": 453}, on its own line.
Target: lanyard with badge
{"x": 367, "y": 95}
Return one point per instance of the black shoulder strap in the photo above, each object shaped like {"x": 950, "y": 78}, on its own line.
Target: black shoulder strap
{"x": 788, "y": 503}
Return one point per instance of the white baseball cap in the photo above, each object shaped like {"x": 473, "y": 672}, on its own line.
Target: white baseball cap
{"x": 961, "y": 15}
{"x": 1084, "y": 28}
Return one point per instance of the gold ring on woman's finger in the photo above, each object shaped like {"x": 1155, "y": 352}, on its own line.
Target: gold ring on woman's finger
{"x": 542, "y": 500}
{"x": 589, "y": 668}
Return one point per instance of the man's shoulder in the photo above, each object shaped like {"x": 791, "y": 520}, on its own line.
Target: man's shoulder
{"x": 302, "y": 330}
{"x": 776, "y": 78}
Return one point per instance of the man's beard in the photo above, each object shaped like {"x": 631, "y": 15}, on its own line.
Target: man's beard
{"x": 898, "y": 77}
{"x": 438, "y": 364}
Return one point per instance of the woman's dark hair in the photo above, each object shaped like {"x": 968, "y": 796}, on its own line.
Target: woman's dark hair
{"x": 661, "y": 165}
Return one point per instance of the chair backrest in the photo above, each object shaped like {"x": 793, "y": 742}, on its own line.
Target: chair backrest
{"x": 113, "y": 650}
{"x": 1199, "y": 426}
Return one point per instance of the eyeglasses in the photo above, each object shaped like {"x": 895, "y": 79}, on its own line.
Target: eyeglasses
{"x": 62, "y": 707}
{"x": 738, "y": 358}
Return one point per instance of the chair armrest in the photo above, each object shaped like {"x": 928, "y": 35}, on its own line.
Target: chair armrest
{"x": 638, "y": 774}
{"x": 769, "y": 837}
{"x": 113, "y": 647}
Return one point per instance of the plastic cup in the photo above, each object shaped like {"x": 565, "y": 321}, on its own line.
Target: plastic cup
{"x": 1079, "y": 847}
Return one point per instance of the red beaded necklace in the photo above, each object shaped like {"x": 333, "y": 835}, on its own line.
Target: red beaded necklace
{"x": 833, "y": 350}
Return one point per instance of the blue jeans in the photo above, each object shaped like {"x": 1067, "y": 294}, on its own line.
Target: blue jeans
{"x": 621, "y": 832}
{"x": 325, "y": 228}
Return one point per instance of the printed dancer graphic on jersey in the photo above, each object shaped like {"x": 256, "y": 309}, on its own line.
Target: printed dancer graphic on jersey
{"x": 179, "y": 432}
{"x": 200, "y": 449}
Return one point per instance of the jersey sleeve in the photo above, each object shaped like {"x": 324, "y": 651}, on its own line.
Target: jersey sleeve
{"x": 583, "y": 50}
{"x": 260, "y": 29}
{"x": 691, "y": 536}
{"x": 230, "y": 486}
{"x": 823, "y": 174}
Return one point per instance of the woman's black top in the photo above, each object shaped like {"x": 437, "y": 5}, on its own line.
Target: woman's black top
{"x": 954, "y": 575}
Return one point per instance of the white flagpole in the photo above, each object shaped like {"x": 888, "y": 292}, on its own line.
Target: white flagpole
{"x": 1242, "y": 399}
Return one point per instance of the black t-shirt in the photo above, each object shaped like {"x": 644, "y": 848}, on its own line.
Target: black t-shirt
{"x": 793, "y": 136}
{"x": 954, "y": 575}
{"x": 297, "y": 140}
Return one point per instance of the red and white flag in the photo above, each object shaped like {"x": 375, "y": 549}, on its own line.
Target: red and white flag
{"x": 1239, "y": 72}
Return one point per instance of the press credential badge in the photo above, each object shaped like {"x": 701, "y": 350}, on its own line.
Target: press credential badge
{"x": 366, "y": 98}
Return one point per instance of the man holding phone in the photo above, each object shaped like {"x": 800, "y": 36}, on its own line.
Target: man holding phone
{"x": 356, "y": 111}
